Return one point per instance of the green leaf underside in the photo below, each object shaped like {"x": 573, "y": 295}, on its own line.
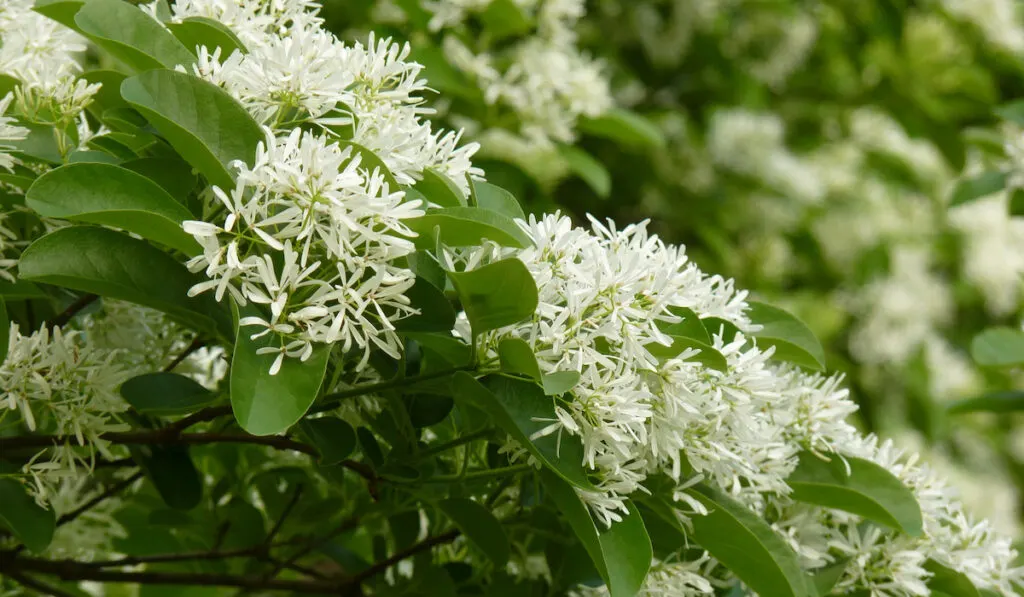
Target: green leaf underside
{"x": 747, "y": 546}
{"x": 165, "y": 393}
{"x": 479, "y": 526}
{"x": 497, "y": 294}
{"x": 467, "y": 226}
{"x": 201, "y": 121}
{"x": 999, "y": 347}
{"x": 522, "y": 409}
{"x": 621, "y": 553}
{"x": 131, "y": 36}
{"x": 869, "y": 491}
{"x": 172, "y": 472}
{"x": 113, "y": 264}
{"x": 112, "y": 196}
{"x": 266, "y": 404}
{"x": 32, "y": 524}
{"x": 793, "y": 340}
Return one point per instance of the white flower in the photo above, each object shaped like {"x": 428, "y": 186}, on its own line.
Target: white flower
{"x": 8, "y": 132}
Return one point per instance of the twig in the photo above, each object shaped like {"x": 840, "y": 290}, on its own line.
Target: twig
{"x": 196, "y": 344}
{"x": 64, "y": 317}
{"x": 465, "y": 439}
{"x": 408, "y": 552}
{"x": 70, "y": 570}
{"x": 107, "y": 493}
{"x": 312, "y": 544}
{"x": 161, "y": 436}
{"x": 37, "y": 585}
{"x": 284, "y": 515}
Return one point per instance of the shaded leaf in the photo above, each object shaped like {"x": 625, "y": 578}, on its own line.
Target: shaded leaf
{"x": 172, "y": 472}
{"x": 201, "y": 31}
{"x": 976, "y": 187}
{"x": 131, "y": 36}
{"x": 165, "y": 393}
{"x": 996, "y": 402}
{"x": 949, "y": 582}
{"x": 999, "y": 347}
{"x": 497, "y": 294}
{"x": 439, "y": 189}
{"x": 332, "y": 437}
{"x": 467, "y": 226}
{"x": 793, "y": 340}
{"x": 624, "y": 126}
{"x": 589, "y": 170}
{"x": 32, "y": 524}
{"x": 479, "y": 526}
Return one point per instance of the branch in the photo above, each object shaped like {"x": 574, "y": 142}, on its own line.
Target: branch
{"x": 80, "y": 303}
{"x": 284, "y": 515}
{"x": 194, "y": 346}
{"x": 408, "y": 552}
{"x": 107, "y": 493}
{"x": 36, "y": 585}
{"x": 160, "y": 436}
{"x": 70, "y": 570}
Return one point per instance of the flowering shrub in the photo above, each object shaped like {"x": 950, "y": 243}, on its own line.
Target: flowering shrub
{"x": 267, "y": 328}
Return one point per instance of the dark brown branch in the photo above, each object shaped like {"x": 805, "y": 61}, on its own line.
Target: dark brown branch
{"x": 258, "y": 550}
{"x": 284, "y": 515}
{"x": 37, "y": 585}
{"x": 194, "y": 346}
{"x": 63, "y": 318}
{"x": 107, "y": 493}
{"x": 70, "y": 570}
{"x": 383, "y": 565}
{"x": 313, "y": 543}
{"x": 161, "y": 436}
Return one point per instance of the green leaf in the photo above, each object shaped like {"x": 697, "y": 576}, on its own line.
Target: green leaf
{"x": 621, "y": 553}
{"x": 131, "y": 36}
{"x": 32, "y": 524}
{"x": 332, "y": 437}
{"x": 496, "y": 295}
{"x": 201, "y": 31}
{"x": 467, "y": 227}
{"x": 371, "y": 449}
{"x": 479, "y": 526}
{"x": 427, "y": 409}
{"x": 439, "y": 189}
{"x": 624, "y": 126}
{"x": 744, "y": 543}
{"x": 172, "y": 473}
{"x": 62, "y": 11}
{"x": 266, "y": 404}
{"x": 113, "y": 264}
{"x": 20, "y": 290}
{"x": 1016, "y": 206}
{"x": 589, "y": 170}
{"x": 869, "y": 490}
{"x": 999, "y": 347}
{"x": 517, "y": 357}
{"x": 707, "y": 356}
{"x": 165, "y": 393}
{"x": 371, "y": 162}
{"x": 173, "y": 175}
{"x": 504, "y": 18}
{"x": 949, "y": 581}
{"x": 976, "y": 187}
{"x": 109, "y": 95}
{"x": 1012, "y": 111}
{"x": 5, "y": 330}
{"x": 793, "y": 340}
{"x": 204, "y": 124}
{"x": 112, "y": 196}
{"x": 454, "y": 351}
{"x": 496, "y": 199}
{"x": 435, "y": 310}
{"x": 716, "y": 326}
{"x": 825, "y": 579}
{"x": 994, "y": 402}
{"x": 559, "y": 382}
{"x": 522, "y": 410}
{"x": 690, "y": 326}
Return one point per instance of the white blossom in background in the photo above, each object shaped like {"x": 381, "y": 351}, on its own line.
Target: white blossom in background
{"x": 9, "y": 131}
{"x": 772, "y": 46}
{"x": 544, "y": 78}
{"x": 92, "y": 533}
{"x": 993, "y": 256}
{"x": 999, "y": 20}
{"x": 56, "y": 383}
{"x": 875, "y": 130}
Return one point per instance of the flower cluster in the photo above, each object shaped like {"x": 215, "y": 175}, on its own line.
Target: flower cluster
{"x": 313, "y": 232}
{"x": 605, "y": 298}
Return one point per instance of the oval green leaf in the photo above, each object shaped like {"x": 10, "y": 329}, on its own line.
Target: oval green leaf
{"x": 165, "y": 393}
{"x": 266, "y": 404}
{"x": 949, "y": 582}
{"x": 999, "y": 347}
{"x": 624, "y": 126}
{"x": 794, "y": 342}
{"x": 332, "y": 437}
{"x": 32, "y": 524}
{"x": 206, "y": 126}
{"x": 131, "y": 36}
{"x": 439, "y": 189}
{"x": 868, "y": 490}
{"x": 494, "y": 198}
{"x": 113, "y": 264}
{"x": 193, "y": 32}
{"x": 496, "y": 295}
{"x": 522, "y": 410}
{"x": 172, "y": 472}
{"x": 112, "y": 196}
{"x": 621, "y": 553}
{"x": 976, "y": 187}
{"x": 745, "y": 544}
{"x": 995, "y": 402}
{"x": 479, "y": 526}
{"x": 707, "y": 356}
{"x": 590, "y": 171}
{"x": 467, "y": 227}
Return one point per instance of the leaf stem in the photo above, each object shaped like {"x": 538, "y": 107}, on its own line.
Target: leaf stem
{"x": 481, "y": 474}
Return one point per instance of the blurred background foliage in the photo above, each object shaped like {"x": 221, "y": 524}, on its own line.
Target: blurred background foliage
{"x": 812, "y": 150}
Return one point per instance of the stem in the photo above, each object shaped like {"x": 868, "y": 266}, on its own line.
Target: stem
{"x": 63, "y": 318}
{"x": 330, "y": 401}
{"x": 36, "y": 585}
{"x": 107, "y": 493}
{"x": 195, "y": 345}
{"x": 465, "y": 439}
{"x": 482, "y": 474}
{"x": 161, "y": 436}
{"x": 424, "y": 545}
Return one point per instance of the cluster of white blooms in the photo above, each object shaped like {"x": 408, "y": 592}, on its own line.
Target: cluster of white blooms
{"x": 999, "y": 20}
{"x": 8, "y": 132}
{"x": 313, "y": 232}
{"x": 993, "y": 256}
{"x": 59, "y": 384}
{"x": 543, "y": 77}
{"x": 40, "y": 54}
{"x": 753, "y": 144}
{"x": 605, "y": 299}
{"x": 771, "y": 46}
